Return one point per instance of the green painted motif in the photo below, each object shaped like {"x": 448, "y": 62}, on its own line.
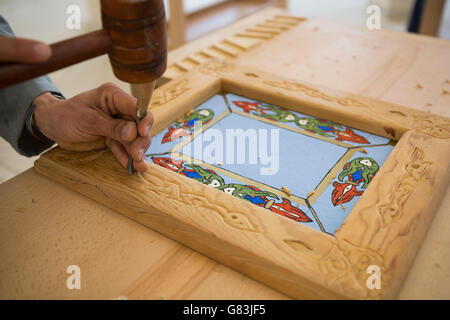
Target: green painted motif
{"x": 367, "y": 167}
{"x": 278, "y": 114}
{"x": 207, "y": 177}
{"x": 242, "y": 192}
{"x": 200, "y": 115}
{"x": 317, "y": 126}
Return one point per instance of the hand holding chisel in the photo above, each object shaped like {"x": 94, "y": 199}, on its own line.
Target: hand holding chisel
{"x": 143, "y": 93}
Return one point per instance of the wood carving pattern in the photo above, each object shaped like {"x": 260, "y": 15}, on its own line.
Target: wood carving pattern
{"x": 344, "y": 264}
{"x": 216, "y": 68}
{"x": 293, "y": 86}
{"x": 298, "y": 245}
{"x": 168, "y": 189}
{"x": 170, "y": 92}
{"x": 345, "y": 269}
{"x": 161, "y": 184}
{"x": 416, "y": 170}
{"x": 71, "y": 157}
{"x": 432, "y": 125}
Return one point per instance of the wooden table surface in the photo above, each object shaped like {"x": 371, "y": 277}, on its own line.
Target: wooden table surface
{"x": 45, "y": 227}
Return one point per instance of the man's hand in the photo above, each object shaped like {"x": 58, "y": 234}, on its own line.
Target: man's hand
{"x": 91, "y": 120}
{"x": 95, "y": 119}
{"x": 23, "y": 50}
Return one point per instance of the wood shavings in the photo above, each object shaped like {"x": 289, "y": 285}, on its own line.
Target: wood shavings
{"x": 447, "y": 81}
{"x": 269, "y": 204}
{"x": 419, "y": 86}
{"x": 429, "y": 104}
{"x": 310, "y": 193}
{"x": 445, "y": 91}
{"x": 286, "y": 190}
{"x": 220, "y": 163}
{"x": 362, "y": 150}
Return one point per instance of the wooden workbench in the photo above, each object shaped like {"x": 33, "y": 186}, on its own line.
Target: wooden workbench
{"x": 45, "y": 227}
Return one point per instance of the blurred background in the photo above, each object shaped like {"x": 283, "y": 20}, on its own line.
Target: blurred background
{"x": 188, "y": 20}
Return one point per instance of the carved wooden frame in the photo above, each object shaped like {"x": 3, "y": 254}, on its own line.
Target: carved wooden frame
{"x": 384, "y": 228}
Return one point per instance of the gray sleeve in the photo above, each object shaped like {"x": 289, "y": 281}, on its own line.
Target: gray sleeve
{"x": 14, "y": 104}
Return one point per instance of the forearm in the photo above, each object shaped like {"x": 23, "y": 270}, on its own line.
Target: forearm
{"x": 32, "y": 118}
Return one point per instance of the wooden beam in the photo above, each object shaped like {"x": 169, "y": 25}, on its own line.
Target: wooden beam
{"x": 431, "y": 17}
{"x": 177, "y": 24}
{"x": 282, "y": 3}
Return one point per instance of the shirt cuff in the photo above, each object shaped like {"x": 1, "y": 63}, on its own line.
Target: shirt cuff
{"x": 30, "y": 125}
{"x": 32, "y": 141}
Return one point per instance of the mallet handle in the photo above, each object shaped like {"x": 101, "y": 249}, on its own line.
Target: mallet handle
{"x": 64, "y": 53}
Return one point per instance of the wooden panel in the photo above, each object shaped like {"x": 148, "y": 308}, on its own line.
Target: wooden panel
{"x": 375, "y": 116}
{"x": 391, "y": 218}
{"x": 46, "y": 227}
{"x": 242, "y": 34}
{"x": 409, "y": 70}
{"x": 333, "y": 55}
{"x": 209, "y": 226}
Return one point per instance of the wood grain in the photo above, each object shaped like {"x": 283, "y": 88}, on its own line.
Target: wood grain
{"x": 388, "y": 223}
{"x": 231, "y": 42}
{"x": 196, "y": 215}
{"x": 292, "y": 258}
{"x": 371, "y": 115}
{"x": 383, "y": 65}
{"x": 46, "y": 227}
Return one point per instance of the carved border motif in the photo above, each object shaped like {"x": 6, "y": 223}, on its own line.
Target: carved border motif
{"x": 216, "y": 68}
{"x": 171, "y": 190}
{"x": 416, "y": 170}
{"x": 294, "y": 86}
{"x": 240, "y": 41}
{"x": 432, "y": 125}
{"x": 160, "y": 184}
{"x": 169, "y": 92}
{"x": 345, "y": 269}
{"x": 335, "y": 266}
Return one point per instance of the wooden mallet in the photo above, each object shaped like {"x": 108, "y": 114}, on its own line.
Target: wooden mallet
{"x": 134, "y": 36}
